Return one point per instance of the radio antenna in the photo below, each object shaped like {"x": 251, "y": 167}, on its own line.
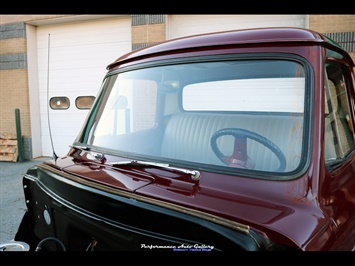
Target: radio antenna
{"x": 55, "y": 156}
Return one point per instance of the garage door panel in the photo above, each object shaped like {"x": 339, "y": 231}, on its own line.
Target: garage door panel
{"x": 84, "y": 33}
{"x": 78, "y": 56}
{"x": 83, "y": 56}
{"x": 62, "y": 120}
{"x": 73, "y": 110}
{"x": 61, "y": 146}
{"x": 68, "y": 80}
{"x": 64, "y": 129}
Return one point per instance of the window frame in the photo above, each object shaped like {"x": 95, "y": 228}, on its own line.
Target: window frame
{"x": 341, "y": 156}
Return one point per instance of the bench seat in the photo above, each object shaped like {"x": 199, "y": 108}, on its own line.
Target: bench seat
{"x": 188, "y": 136}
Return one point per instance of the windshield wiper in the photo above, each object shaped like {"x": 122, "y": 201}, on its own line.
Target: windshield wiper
{"x": 79, "y": 147}
{"x": 195, "y": 175}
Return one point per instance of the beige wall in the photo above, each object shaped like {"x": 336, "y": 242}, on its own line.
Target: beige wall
{"x": 152, "y": 33}
{"x": 5, "y": 19}
{"x": 14, "y": 90}
{"x": 13, "y": 46}
{"x": 14, "y": 95}
{"x": 332, "y": 23}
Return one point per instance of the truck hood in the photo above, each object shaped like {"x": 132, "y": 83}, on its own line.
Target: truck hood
{"x": 284, "y": 218}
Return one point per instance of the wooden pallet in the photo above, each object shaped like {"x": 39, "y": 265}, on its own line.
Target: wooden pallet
{"x": 8, "y": 147}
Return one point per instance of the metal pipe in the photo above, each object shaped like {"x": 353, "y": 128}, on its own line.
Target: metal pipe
{"x": 19, "y": 136}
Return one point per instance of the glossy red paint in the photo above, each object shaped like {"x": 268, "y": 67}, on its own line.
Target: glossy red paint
{"x": 223, "y": 39}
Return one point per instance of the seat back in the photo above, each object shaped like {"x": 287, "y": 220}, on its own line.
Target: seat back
{"x": 187, "y": 136}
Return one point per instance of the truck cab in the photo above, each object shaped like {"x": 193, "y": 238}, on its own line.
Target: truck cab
{"x": 239, "y": 140}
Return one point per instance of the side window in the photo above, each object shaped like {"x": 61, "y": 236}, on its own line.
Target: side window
{"x": 339, "y": 129}
{"x": 84, "y": 102}
{"x": 59, "y": 103}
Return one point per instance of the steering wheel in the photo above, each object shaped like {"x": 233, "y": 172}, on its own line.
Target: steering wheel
{"x": 240, "y": 158}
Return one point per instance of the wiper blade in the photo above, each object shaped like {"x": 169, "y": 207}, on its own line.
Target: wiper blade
{"x": 194, "y": 173}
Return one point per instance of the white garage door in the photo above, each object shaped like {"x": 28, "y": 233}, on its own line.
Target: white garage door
{"x": 184, "y": 25}
{"x": 75, "y": 65}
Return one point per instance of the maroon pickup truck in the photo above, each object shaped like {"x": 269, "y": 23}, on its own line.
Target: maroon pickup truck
{"x": 230, "y": 141}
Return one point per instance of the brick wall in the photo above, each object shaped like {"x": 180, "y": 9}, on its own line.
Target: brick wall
{"x": 145, "y": 34}
{"x": 147, "y": 30}
{"x": 14, "y": 95}
{"x": 12, "y": 46}
{"x": 13, "y": 78}
{"x": 341, "y": 28}
{"x": 332, "y": 23}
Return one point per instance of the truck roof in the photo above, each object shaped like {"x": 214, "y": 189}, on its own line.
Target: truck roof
{"x": 233, "y": 37}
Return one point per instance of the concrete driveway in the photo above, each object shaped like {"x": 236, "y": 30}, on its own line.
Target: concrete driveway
{"x": 12, "y": 200}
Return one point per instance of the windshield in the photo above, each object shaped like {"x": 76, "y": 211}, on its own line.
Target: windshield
{"x": 235, "y": 114}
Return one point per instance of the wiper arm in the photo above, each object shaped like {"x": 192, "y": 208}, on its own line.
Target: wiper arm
{"x": 83, "y": 148}
{"x": 194, "y": 173}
